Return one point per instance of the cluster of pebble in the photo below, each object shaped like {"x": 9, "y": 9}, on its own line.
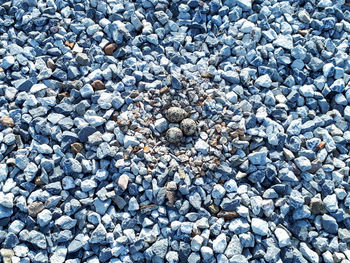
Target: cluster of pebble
{"x": 174, "y": 131}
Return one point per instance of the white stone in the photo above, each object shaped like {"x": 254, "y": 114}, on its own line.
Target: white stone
{"x": 282, "y": 237}
{"x": 220, "y": 244}
{"x": 264, "y": 81}
{"x": 260, "y": 227}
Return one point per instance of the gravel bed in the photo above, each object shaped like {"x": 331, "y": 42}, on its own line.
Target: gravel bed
{"x": 174, "y": 131}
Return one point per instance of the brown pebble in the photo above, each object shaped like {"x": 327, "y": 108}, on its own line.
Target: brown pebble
{"x": 98, "y": 85}
{"x": 7, "y": 121}
{"x": 76, "y": 147}
{"x": 1, "y": 70}
{"x": 110, "y": 48}
{"x": 227, "y": 215}
{"x": 35, "y": 208}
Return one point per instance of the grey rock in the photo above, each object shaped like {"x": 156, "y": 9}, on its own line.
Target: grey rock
{"x": 309, "y": 254}
{"x": 329, "y": 224}
{"x": 161, "y": 125}
{"x": 38, "y": 239}
{"x": 82, "y": 59}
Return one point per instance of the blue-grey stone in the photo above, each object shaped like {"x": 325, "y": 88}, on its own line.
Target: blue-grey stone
{"x": 329, "y": 224}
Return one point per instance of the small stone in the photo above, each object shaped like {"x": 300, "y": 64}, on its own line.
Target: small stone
{"x": 35, "y": 208}
{"x": 174, "y": 135}
{"x": 317, "y": 206}
{"x": 282, "y": 237}
{"x": 264, "y": 81}
{"x": 347, "y": 113}
{"x": 98, "y": 85}
{"x": 284, "y": 41}
{"x": 258, "y": 158}
{"x": 82, "y": 59}
{"x": 133, "y": 204}
{"x": 161, "y": 125}
{"x": 220, "y": 243}
{"x": 7, "y": 121}
{"x": 246, "y": 5}
{"x": 309, "y": 254}
{"x": 329, "y": 224}
{"x": 218, "y": 191}
{"x": 44, "y": 217}
{"x": 303, "y": 163}
{"x": 160, "y": 248}
{"x": 188, "y": 126}
{"x": 304, "y": 17}
{"x": 201, "y": 146}
{"x": 123, "y": 181}
{"x": 260, "y": 227}
{"x": 7, "y": 255}
{"x": 98, "y": 235}
{"x": 50, "y": 64}
{"x": 76, "y": 147}
{"x": 207, "y": 253}
{"x": 7, "y": 62}
{"x": 175, "y": 114}
{"x": 38, "y": 239}
{"x": 196, "y": 243}
{"x": 338, "y": 85}
{"x": 110, "y": 48}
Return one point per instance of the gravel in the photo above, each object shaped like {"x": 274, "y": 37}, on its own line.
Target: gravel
{"x": 174, "y": 131}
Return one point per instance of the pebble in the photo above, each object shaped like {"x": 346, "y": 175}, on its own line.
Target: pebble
{"x": 7, "y": 121}
{"x": 110, "y": 48}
